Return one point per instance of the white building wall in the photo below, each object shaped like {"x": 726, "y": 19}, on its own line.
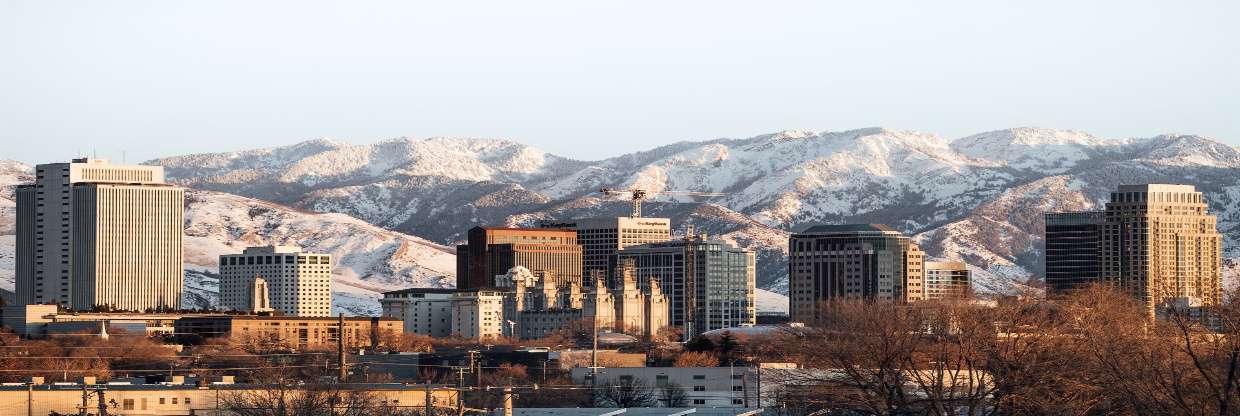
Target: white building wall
{"x": 298, "y": 283}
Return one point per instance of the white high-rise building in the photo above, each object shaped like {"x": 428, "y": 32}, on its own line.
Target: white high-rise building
{"x": 90, "y": 233}
{"x": 297, "y": 283}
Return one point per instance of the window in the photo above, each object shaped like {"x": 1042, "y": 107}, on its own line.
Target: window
{"x": 161, "y": 400}
{"x": 127, "y": 404}
{"x": 699, "y": 388}
{"x": 699, "y": 376}
{"x": 737, "y": 401}
{"x": 699, "y": 401}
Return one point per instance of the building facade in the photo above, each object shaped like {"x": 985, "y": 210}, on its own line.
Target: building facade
{"x": 856, "y": 261}
{"x": 1073, "y": 245}
{"x": 601, "y": 238}
{"x": 492, "y": 251}
{"x": 211, "y": 398}
{"x": 296, "y": 283}
{"x": 946, "y": 280}
{"x": 478, "y": 313}
{"x": 710, "y": 284}
{"x": 1160, "y": 245}
{"x": 425, "y": 311}
{"x": 292, "y": 331}
{"x": 721, "y": 387}
{"x": 90, "y": 233}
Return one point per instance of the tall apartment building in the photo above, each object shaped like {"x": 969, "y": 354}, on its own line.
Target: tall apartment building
{"x": 1160, "y": 245}
{"x": 297, "y": 283}
{"x": 946, "y": 280}
{"x": 710, "y": 284}
{"x": 601, "y": 238}
{"x": 1072, "y": 255}
{"x": 492, "y": 251}
{"x": 90, "y": 233}
{"x": 425, "y": 311}
{"x": 854, "y": 261}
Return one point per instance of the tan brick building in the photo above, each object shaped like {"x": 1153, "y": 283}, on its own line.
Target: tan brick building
{"x": 1160, "y": 244}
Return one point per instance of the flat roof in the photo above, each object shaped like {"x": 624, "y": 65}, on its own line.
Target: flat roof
{"x": 423, "y": 290}
{"x": 849, "y": 228}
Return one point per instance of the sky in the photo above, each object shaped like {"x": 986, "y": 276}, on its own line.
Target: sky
{"x": 592, "y": 79}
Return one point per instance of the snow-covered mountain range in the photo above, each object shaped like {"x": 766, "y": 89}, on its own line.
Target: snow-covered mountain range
{"x": 978, "y": 198}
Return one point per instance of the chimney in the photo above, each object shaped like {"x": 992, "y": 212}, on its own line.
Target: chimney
{"x": 34, "y": 380}
{"x": 226, "y": 380}
{"x": 176, "y": 380}
{"x": 88, "y": 380}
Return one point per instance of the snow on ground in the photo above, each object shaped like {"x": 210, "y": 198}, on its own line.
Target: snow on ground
{"x": 768, "y": 301}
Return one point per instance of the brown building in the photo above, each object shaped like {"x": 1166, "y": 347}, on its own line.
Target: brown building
{"x": 492, "y": 251}
{"x": 852, "y": 261}
{"x": 1160, "y": 245}
{"x": 292, "y": 331}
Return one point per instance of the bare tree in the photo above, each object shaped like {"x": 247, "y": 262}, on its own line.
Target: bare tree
{"x": 281, "y": 399}
{"x": 625, "y": 392}
{"x": 673, "y": 395}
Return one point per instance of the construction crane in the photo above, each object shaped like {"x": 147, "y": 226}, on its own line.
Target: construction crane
{"x": 637, "y": 195}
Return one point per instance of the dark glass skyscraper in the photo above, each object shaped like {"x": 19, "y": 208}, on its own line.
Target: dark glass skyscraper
{"x": 1072, "y": 250}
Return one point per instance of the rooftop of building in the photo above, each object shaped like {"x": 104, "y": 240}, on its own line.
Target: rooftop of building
{"x": 274, "y": 249}
{"x": 681, "y": 242}
{"x": 438, "y": 290}
{"x": 849, "y": 228}
{"x": 598, "y": 222}
{"x": 946, "y": 265}
{"x": 1157, "y": 187}
{"x": 527, "y": 229}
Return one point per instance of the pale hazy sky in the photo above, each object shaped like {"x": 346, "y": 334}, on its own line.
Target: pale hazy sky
{"x": 589, "y": 79}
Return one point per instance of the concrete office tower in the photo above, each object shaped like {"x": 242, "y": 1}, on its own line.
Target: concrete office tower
{"x": 478, "y": 313}
{"x": 298, "y": 283}
{"x": 1072, "y": 255}
{"x": 854, "y": 261}
{"x": 424, "y": 311}
{"x": 603, "y": 237}
{"x": 720, "y": 293}
{"x": 1160, "y": 245}
{"x": 491, "y": 251}
{"x": 92, "y": 233}
{"x": 946, "y": 280}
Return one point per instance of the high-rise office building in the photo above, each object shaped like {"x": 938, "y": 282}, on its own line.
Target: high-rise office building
{"x": 709, "y": 283}
{"x": 946, "y": 280}
{"x": 1072, "y": 252}
{"x": 492, "y": 251}
{"x": 601, "y": 238}
{"x": 1160, "y": 245}
{"x": 296, "y": 283}
{"x": 855, "y": 261}
{"x": 90, "y": 233}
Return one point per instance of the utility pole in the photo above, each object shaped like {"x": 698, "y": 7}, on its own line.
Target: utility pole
{"x": 103, "y": 405}
{"x": 429, "y": 399}
{"x": 460, "y": 388}
{"x": 344, "y": 369}
{"x": 508, "y": 401}
{"x": 30, "y": 398}
{"x": 85, "y": 399}
{"x": 594, "y": 359}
